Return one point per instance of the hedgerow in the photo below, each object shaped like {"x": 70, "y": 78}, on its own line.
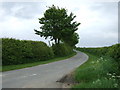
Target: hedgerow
{"x": 62, "y": 49}
{"x": 22, "y": 51}
{"x": 112, "y": 51}
{"x": 110, "y": 66}
{"x": 26, "y": 51}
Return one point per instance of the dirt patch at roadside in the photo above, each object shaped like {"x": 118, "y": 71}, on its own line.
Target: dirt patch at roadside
{"x": 67, "y": 81}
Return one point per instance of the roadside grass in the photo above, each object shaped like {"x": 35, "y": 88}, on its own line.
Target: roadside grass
{"x": 20, "y": 66}
{"x": 97, "y": 72}
{"x": 99, "y": 83}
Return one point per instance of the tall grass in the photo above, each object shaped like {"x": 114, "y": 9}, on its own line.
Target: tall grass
{"x": 100, "y": 71}
{"x": 99, "y": 83}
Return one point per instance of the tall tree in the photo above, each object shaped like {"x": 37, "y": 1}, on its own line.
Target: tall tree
{"x": 71, "y": 40}
{"x": 56, "y": 24}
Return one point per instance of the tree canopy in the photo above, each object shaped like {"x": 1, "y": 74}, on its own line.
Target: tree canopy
{"x": 57, "y": 25}
{"x": 71, "y": 40}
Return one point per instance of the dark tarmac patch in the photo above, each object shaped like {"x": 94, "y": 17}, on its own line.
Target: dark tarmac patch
{"x": 67, "y": 80}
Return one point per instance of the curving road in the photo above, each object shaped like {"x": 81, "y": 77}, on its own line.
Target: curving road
{"x": 42, "y": 76}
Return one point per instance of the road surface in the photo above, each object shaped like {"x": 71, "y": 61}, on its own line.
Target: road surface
{"x": 42, "y": 76}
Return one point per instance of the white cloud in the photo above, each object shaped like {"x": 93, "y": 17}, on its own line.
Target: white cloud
{"x": 98, "y": 20}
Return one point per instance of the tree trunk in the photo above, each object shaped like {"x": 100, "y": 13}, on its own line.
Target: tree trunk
{"x": 55, "y": 41}
{"x": 58, "y": 41}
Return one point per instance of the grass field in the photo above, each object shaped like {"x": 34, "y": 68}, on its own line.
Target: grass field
{"x": 14, "y": 67}
{"x": 97, "y": 72}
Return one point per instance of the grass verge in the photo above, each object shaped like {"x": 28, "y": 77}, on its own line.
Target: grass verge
{"x": 14, "y": 67}
{"x": 97, "y": 72}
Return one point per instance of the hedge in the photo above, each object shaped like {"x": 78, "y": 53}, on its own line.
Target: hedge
{"x": 62, "y": 49}
{"x": 111, "y": 51}
{"x": 23, "y": 51}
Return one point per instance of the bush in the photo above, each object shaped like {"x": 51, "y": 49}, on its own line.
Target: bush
{"x": 0, "y": 52}
{"x": 62, "y": 49}
{"x": 22, "y": 51}
{"x": 110, "y": 65}
{"x": 112, "y": 51}
{"x": 98, "y": 72}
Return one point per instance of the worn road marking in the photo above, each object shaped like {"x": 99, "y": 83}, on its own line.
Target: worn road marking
{"x": 29, "y": 75}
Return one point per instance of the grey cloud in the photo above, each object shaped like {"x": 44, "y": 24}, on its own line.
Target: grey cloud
{"x": 100, "y": 33}
{"x": 119, "y": 22}
{"x": 98, "y": 37}
{"x": 96, "y": 41}
{"x": 108, "y": 7}
{"x": 89, "y": 35}
{"x": 25, "y": 9}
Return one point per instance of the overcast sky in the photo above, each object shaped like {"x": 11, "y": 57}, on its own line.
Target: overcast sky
{"x": 99, "y": 20}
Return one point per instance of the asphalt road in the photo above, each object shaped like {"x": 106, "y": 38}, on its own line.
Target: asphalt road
{"x": 42, "y": 76}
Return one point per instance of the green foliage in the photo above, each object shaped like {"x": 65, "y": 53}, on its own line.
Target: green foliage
{"x": 0, "y": 53}
{"x": 21, "y": 51}
{"x": 62, "y": 49}
{"x": 57, "y": 25}
{"x": 112, "y": 51}
{"x": 97, "y": 72}
{"x": 102, "y": 70}
{"x": 99, "y": 83}
{"x": 71, "y": 40}
{"x": 14, "y": 67}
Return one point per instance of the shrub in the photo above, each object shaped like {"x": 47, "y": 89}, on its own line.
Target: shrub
{"x": 114, "y": 52}
{"x": 98, "y": 72}
{"x": 23, "y": 51}
{"x": 62, "y": 49}
{"x": 109, "y": 63}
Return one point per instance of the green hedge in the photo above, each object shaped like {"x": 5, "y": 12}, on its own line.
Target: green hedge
{"x": 112, "y": 51}
{"x": 0, "y": 52}
{"x": 22, "y": 51}
{"x": 62, "y": 49}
